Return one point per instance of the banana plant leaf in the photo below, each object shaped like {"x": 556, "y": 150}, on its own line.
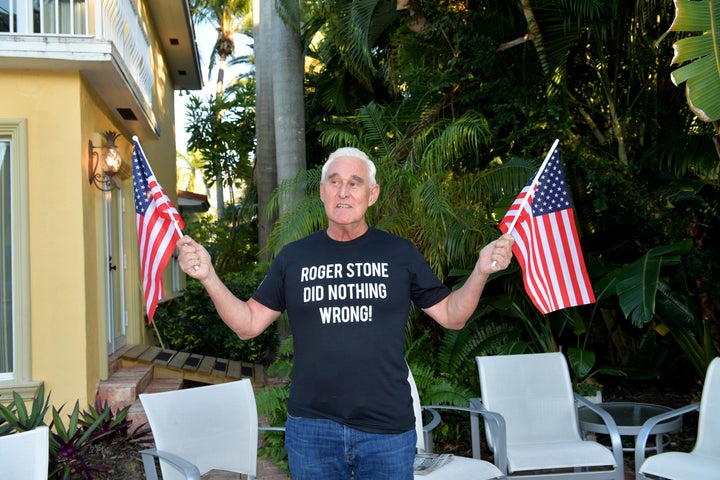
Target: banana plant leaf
{"x": 699, "y": 55}
{"x": 680, "y": 322}
{"x": 636, "y": 284}
{"x": 581, "y": 361}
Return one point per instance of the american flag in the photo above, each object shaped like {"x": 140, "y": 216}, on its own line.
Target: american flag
{"x": 157, "y": 235}
{"x": 547, "y": 244}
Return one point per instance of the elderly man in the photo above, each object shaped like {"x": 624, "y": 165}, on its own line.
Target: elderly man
{"x": 348, "y": 291}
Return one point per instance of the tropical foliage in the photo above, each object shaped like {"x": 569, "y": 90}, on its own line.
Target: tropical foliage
{"x": 456, "y": 101}
{"x": 229, "y": 17}
{"x": 221, "y": 131}
{"x": 191, "y": 324}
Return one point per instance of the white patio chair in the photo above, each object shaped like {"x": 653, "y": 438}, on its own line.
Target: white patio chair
{"x": 703, "y": 462}
{"x": 200, "y": 429}
{"x": 531, "y": 421}
{"x": 25, "y": 455}
{"x": 459, "y": 467}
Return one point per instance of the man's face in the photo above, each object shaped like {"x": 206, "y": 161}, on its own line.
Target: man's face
{"x": 346, "y": 192}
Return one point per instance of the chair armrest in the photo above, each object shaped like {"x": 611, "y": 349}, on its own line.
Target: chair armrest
{"x": 496, "y": 424}
{"x": 434, "y": 421}
{"x": 609, "y": 421}
{"x": 189, "y": 470}
{"x": 429, "y": 427}
{"x": 271, "y": 429}
{"x": 650, "y": 423}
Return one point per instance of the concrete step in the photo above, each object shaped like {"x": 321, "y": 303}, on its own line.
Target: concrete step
{"x": 125, "y": 384}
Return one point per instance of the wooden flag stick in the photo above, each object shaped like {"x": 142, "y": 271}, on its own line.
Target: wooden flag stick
{"x": 533, "y": 184}
{"x": 530, "y": 190}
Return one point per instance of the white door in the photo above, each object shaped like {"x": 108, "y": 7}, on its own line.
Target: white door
{"x": 115, "y": 265}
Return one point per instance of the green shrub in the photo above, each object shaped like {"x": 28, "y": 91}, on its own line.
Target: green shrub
{"x": 191, "y": 324}
{"x": 271, "y": 402}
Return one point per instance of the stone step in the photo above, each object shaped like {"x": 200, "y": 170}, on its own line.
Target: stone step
{"x": 125, "y": 384}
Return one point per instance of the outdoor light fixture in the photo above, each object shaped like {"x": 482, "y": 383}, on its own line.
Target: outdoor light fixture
{"x": 109, "y": 160}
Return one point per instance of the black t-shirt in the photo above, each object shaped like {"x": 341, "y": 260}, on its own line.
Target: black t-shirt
{"x": 348, "y": 305}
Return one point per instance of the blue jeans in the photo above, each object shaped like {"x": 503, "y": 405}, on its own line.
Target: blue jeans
{"x": 321, "y": 449}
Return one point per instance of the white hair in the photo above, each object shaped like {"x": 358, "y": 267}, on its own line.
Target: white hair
{"x": 354, "y": 153}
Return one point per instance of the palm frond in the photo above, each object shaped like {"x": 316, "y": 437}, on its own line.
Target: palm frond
{"x": 445, "y": 392}
{"x": 459, "y": 347}
{"x": 358, "y": 25}
{"x": 305, "y": 215}
{"x": 464, "y": 136}
{"x": 377, "y": 131}
{"x": 336, "y": 137}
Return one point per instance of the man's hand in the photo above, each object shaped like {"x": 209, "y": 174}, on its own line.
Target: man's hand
{"x": 496, "y": 255}
{"x": 194, "y": 260}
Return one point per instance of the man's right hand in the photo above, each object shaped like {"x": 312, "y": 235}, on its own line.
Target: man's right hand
{"x": 193, "y": 259}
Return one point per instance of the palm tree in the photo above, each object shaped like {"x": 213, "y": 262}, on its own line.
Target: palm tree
{"x": 280, "y": 133}
{"x": 189, "y": 171}
{"x": 229, "y": 18}
{"x": 265, "y": 173}
{"x": 347, "y": 40}
{"x": 288, "y": 94}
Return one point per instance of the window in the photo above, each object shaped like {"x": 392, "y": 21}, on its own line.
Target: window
{"x": 6, "y": 15}
{"x": 65, "y": 17}
{"x": 6, "y": 324}
{"x": 14, "y": 262}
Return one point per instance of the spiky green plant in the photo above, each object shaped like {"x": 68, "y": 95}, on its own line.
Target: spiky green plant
{"x": 15, "y": 417}
{"x": 69, "y": 444}
{"x": 114, "y": 426}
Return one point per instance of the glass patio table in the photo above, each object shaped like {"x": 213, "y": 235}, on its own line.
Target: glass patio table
{"x": 630, "y": 417}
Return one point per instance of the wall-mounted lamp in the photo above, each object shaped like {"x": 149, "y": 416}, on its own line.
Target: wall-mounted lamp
{"x": 109, "y": 160}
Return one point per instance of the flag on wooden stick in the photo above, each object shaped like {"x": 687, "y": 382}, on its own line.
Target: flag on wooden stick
{"x": 546, "y": 240}
{"x": 159, "y": 227}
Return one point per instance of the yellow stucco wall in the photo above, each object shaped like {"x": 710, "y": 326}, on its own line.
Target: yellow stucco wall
{"x": 66, "y": 219}
{"x": 67, "y": 291}
{"x": 50, "y": 102}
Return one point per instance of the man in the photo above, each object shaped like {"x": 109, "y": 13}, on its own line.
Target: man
{"x": 348, "y": 291}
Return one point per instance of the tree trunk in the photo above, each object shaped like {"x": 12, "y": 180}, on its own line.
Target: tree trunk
{"x": 219, "y": 91}
{"x": 535, "y": 34}
{"x": 288, "y": 106}
{"x": 265, "y": 170}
